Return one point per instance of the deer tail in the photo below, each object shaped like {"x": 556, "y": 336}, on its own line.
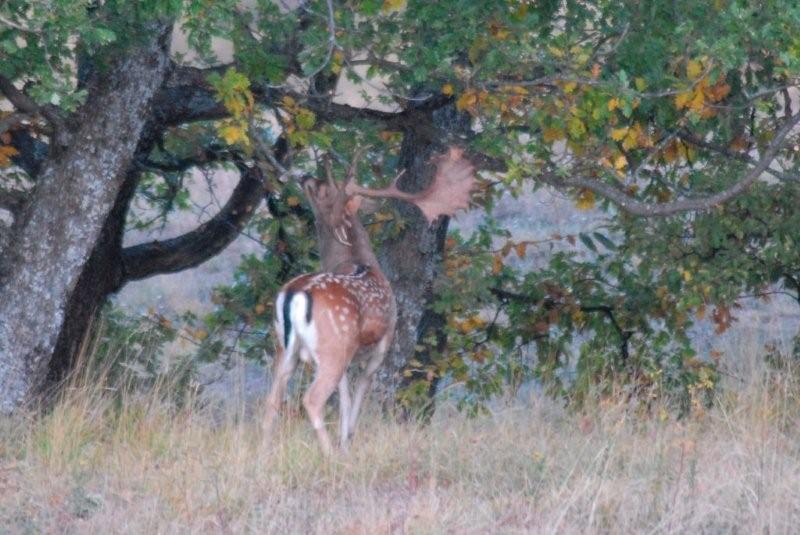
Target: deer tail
{"x": 294, "y": 317}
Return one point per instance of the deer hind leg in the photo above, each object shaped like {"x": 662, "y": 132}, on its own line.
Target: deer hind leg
{"x": 344, "y": 411}
{"x": 365, "y": 381}
{"x": 326, "y": 379}
{"x": 285, "y": 363}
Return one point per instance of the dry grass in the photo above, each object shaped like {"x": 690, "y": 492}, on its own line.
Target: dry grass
{"x": 129, "y": 463}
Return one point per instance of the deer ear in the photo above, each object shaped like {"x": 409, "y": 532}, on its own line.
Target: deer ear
{"x": 353, "y": 204}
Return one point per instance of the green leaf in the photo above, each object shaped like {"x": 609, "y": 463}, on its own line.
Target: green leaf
{"x": 608, "y": 244}
{"x": 587, "y": 241}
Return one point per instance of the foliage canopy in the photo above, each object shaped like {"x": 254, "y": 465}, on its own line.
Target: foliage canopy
{"x": 645, "y": 107}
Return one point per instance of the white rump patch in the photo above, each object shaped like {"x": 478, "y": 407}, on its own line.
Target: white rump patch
{"x": 302, "y": 330}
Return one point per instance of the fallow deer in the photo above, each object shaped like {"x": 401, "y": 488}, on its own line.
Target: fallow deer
{"x": 326, "y": 318}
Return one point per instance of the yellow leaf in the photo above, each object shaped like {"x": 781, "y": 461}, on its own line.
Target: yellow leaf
{"x": 517, "y": 89}
{"x": 620, "y": 162}
{"x": 687, "y": 275}
{"x": 693, "y": 69}
{"x": 233, "y": 134}
{"x": 497, "y": 265}
{"x": 305, "y": 119}
{"x": 550, "y": 134}
{"x": 569, "y": 87}
{"x": 234, "y": 105}
{"x": 6, "y": 152}
{"x": 631, "y": 140}
{"x": 288, "y": 101}
{"x": 337, "y": 61}
{"x": 557, "y": 52}
{"x": 613, "y": 104}
{"x": 576, "y": 127}
{"x": 585, "y": 200}
{"x": 640, "y": 83}
{"x": 447, "y": 89}
{"x": 682, "y": 99}
{"x": 618, "y": 134}
{"x": 201, "y": 334}
{"x": 467, "y": 101}
{"x": 391, "y": 6}
{"x": 698, "y": 101}
{"x": 292, "y": 201}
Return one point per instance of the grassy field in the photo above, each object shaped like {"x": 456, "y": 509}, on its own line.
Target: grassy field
{"x": 102, "y": 461}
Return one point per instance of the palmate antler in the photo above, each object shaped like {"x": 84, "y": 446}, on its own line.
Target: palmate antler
{"x": 449, "y": 191}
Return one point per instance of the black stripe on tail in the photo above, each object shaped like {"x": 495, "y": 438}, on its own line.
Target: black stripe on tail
{"x": 287, "y": 317}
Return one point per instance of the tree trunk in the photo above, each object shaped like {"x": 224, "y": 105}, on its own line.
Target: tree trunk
{"x": 412, "y": 262}
{"x": 74, "y": 195}
{"x": 101, "y": 276}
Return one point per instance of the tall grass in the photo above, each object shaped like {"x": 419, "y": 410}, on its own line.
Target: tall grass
{"x": 109, "y": 457}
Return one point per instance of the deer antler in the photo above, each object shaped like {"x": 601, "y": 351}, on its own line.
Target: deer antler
{"x": 326, "y": 161}
{"x": 351, "y": 171}
{"x": 450, "y": 190}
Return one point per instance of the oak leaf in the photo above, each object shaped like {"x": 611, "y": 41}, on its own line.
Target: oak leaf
{"x": 6, "y": 152}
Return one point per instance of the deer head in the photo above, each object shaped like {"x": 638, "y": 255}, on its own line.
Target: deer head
{"x": 335, "y": 210}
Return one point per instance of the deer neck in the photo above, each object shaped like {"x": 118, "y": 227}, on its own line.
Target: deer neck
{"x": 357, "y": 250}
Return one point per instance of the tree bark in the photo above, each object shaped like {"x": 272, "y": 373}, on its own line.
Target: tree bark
{"x": 74, "y": 195}
{"x": 100, "y": 277}
{"x": 412, "y": 261}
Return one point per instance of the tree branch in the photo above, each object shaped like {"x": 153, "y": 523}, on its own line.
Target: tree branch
{"x": 25, "y": 104}
{"x": 12, "y": 120}
{"x": 640, "y": 208}
{"x": 331, "y": 40}
{"x": 32, "y": 152}
{"x": 691, "y": 139}
{"x": 210, "y": 238}
{"x": 12, "y": 200}
{"x": 187, "y": 97}
{"x": 203, "y": 156}
{"x": 549, "y": 304}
